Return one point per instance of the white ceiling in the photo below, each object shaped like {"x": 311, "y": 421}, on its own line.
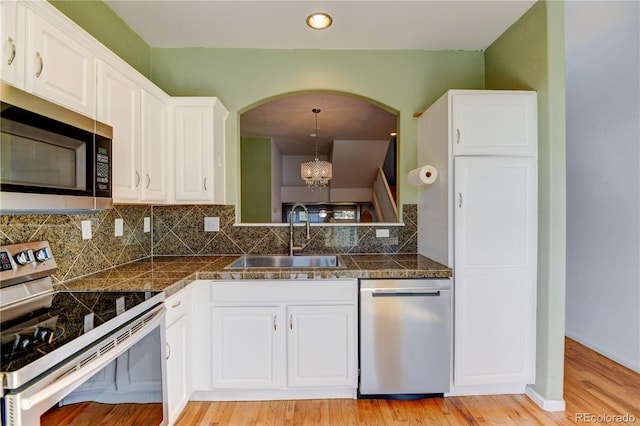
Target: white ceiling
{"x": 357, "y": 24}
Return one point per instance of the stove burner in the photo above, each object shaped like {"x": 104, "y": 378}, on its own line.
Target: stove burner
{"x": 28, "y": 340}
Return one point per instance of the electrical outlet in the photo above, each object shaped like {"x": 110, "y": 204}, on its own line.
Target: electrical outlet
{"x": 147, "y": 224}
{"x": 211, "y": 224}
{"x": 86, "y": 229}
{"x": 382, "y": 233}
{"x": 119, "y": 227}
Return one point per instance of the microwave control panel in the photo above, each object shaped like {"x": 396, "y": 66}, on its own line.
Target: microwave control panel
{"x": 103, "y": 167}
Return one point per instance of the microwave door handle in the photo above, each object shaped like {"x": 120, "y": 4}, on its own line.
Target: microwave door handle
{"x": 67, "y": 384}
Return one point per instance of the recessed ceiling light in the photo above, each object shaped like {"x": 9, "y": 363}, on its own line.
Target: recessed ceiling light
{"x": 319, "y": 21}
{"x": 393, "y": 134}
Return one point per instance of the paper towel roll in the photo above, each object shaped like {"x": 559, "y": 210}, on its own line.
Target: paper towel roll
{"x": 425, "y": 175}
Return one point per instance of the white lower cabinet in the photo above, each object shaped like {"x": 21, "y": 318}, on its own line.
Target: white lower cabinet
{"x": 178, "y": 352}
{"x": 246, "y": 347}
{"x": 320, "y": 346}
{"x": 275, "y": 340}
{"x": 495, "y": 239}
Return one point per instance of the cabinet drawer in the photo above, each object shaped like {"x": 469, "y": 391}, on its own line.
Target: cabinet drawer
{"x": 177, "y": 306}
{"x": 252, "y": 292}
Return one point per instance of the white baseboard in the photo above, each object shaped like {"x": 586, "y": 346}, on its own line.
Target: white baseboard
{"x": 499, "y": 389}
{"x": 545, "y": 404}
{"x": 273, "y": 394}
{"x": 635, "y": 366}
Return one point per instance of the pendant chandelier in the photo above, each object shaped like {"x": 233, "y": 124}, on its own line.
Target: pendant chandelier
{"x": 316, "y": 173}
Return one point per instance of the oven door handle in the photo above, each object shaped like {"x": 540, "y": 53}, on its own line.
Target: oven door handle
{"x": 59, "y": 389}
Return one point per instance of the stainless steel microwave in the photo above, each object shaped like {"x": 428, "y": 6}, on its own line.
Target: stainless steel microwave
{"x": 51, "y": 158}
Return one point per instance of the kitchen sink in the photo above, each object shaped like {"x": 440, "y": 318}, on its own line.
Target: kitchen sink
{"x": 251, "y": 261}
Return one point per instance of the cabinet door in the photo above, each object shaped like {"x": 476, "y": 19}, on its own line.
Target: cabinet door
{"x": 494, "y": 124}
{"x": 155, "y": 144}
{"x": 178, "y": 368}
{"x": 194, "y": 153}
{"x": 495, "y": 222}
{"x": 321, "y": 346}
{"x": 58, "y": 67}
{"x": 119, "y": 106}
{"x": 246, "y": 347}
{"x": 12, "y": 43}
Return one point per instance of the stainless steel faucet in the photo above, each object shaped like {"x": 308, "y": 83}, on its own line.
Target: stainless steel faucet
{"x": 292, "y": 246}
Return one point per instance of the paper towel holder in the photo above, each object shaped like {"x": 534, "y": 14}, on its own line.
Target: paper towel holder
{"x": 425, "y": 175}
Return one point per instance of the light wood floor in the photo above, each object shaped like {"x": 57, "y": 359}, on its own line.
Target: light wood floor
{"x": 594, "y": 386}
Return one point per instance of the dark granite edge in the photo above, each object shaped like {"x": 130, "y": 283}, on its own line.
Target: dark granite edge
{"x": 174, "y": 273}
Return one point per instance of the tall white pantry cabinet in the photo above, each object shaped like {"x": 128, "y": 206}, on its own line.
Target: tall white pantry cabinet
{"x": 480, "y": 218}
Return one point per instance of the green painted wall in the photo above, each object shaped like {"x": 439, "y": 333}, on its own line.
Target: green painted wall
{"x": 96, "y": 18}
{"x": 255, "y": 169}
{"x": 530, "y": 55}
{"x": 407, "y": 81}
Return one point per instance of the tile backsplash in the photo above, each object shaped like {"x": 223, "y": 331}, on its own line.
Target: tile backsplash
{"x": 74, "y": 256}
{"x": 179, "y": 230}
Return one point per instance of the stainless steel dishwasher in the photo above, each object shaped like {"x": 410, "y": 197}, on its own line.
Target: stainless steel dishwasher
{"x": 405, "y": 337}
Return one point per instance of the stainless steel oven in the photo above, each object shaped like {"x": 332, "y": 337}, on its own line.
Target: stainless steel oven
{"x": 51, "y": 158}
{"x": 69, "y": 354}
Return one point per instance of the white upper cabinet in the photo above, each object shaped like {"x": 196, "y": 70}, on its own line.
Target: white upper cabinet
{"x": 493, "y": 123}
{"x": 12, "y": 43}
{"x": 43, "y": 52}
{"x": 154, "y": 146}
{"x": 139, "y": 116}
{"x": 199, "y": 149}
{"x": 58, "y": 67}
{"x": 47, "y": 59}
{"x": 119, "y": 106}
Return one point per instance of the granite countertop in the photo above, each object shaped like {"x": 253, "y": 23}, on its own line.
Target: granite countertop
{"x": 172, "y": 273}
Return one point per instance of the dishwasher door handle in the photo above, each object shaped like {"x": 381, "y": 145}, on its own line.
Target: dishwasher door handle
{"x": 404, "y": 293}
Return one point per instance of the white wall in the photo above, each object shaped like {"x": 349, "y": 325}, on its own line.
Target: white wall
{"x": 603, "y": 177}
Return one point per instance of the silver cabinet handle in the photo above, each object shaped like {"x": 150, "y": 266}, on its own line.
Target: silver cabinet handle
{"x": 404, "y": 293}
{"x": 148, "y": 180}
{"x": 39, "y": 56}
{"x": 275, "y": 323}
{"x": 137, "y": 179}
{"x": 175, "y": 305}
{"x": 205, "y": 183}
{"x": 168, "y": 350}
{"x": 457, "y": 136}
{"x": 13, "y": 51}
{"x": 291, "y": 322}
{"x": 460, "y": 199}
